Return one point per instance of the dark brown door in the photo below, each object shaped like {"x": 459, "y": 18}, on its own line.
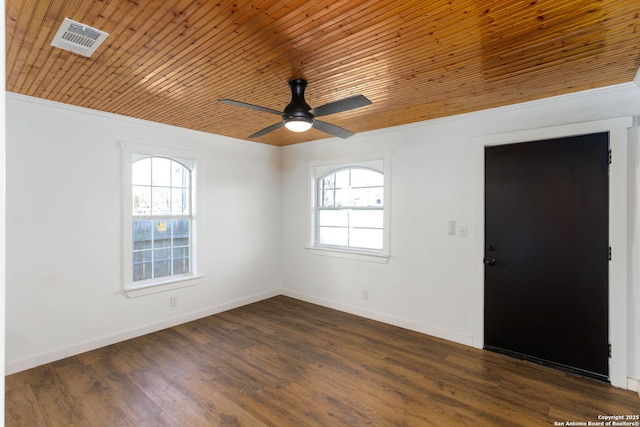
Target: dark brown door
{"x": 547, "y": 252}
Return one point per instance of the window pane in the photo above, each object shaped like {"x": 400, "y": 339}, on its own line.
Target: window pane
{"x": 160, "y": 246}
{"x": 365, "y": 238}
{"x": 141, "y": 172}
{"x": 161, "y": 172}
{"x": 181, "y": 229}
{"x": 142, "y": 271}
{"x": 170, "y": 192}
{"x": 179, "y": 202}
{"x": 180, "y": 176}
{"x": 342, "y": 179}
{"x": 162, "y": 234}
{"x": 333, "y": 236}
{"x": 181, "y": 265}
{"x": 328, "y": 181}
{"x": 141, "y": 234}
{"x": 351, "y": 187}
{"x": 333, "y": 218}
{"x": 343, "y": 197}
{"x": 181, "y": 260}
{"x": 326, "y": 190}
{"x": 160, "y": 201}
{"x": 141, "y": 202}
{"x": 366, "y": 219}
{"x": 366, "y": 178}
{"x": 161, "y": 268}
{"x": 327, "y": 198}
{"x": 359, "y": 197}
{"x": 367, "y": 196}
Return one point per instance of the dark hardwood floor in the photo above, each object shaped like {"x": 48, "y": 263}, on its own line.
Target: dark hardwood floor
{"x": 283, "y": 362}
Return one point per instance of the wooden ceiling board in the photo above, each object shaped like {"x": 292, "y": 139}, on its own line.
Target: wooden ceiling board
{"x": 170, "y": 61}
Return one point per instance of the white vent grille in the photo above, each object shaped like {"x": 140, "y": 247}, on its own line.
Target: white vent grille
{"x": 78, "y": 38}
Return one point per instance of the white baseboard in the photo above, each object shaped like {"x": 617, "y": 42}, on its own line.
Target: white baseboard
{"x": 63, "y": 352}
{"x": 633, "y": 385}
{"x": 60, "y": 353}
{"x": 384, "y": 318}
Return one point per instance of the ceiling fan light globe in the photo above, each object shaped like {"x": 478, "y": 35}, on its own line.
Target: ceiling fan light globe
{"x": 298, "y": 124}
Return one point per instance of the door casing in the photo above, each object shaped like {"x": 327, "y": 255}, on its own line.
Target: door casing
{"x": 618, "y": 138}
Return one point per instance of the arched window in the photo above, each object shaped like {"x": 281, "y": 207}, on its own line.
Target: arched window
{"x": 350, "y": 209}
{"x": 161, "y": 225}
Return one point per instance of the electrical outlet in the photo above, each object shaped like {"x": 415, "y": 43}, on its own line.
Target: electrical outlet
{"x": 365, "y": 295}
{"x": 173, "y": 302}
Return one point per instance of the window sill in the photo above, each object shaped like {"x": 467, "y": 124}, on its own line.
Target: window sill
{"x": 137, "y": 290}
{"x": 355, "y": 255}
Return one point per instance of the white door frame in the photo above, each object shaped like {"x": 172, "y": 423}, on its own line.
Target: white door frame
{"x": 618, "y": 139}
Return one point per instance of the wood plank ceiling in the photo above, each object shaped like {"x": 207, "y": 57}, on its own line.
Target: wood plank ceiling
{"x": 169, "y": 61}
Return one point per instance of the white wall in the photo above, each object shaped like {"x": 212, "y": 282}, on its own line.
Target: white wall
{"x": 428, "y": 283}
{"x": 633, "y": 305}
{"x": 64, "y": 291}
{"x": 64, "y": 286}
{"x": 3, "y": 204}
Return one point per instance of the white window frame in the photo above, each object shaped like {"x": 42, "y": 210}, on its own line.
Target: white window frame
{"x": 131, "y": 153}
{"x": 379, "y": 161}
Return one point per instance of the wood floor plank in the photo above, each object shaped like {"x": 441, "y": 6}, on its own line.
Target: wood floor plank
{"x": 284, "y": 362}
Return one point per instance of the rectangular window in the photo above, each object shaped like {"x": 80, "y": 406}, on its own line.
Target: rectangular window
{"x": 161, "y": 218}
{"x": 159, "y": 240}
{"x": 350, "y": 214}
{"x": 350, "y": 209}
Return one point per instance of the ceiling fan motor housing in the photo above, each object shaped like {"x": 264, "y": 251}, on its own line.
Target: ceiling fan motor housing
{"x": 298, "y": 109}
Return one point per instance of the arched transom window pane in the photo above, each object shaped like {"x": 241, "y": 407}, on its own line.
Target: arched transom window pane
{"x": 352, "y": 187}
{"x": 161, "y": 186}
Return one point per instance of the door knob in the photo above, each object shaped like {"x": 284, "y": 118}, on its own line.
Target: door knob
{"x": 490, "y": 261}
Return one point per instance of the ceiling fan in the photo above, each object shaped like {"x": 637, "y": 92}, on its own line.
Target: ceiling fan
{"x": 298, "y": 116}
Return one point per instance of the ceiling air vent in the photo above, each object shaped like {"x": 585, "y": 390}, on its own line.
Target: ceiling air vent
{"x": 78, "y": 38}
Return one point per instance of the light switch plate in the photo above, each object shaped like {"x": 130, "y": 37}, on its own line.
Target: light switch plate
{"x": 451, "y": 228}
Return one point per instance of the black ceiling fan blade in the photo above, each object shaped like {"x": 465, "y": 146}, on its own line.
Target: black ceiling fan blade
{"x": 332, "y": 129}
{"x": 345, "y": 104}
{"x": 267, "y": 130}
{"x": 251, "y": 106}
